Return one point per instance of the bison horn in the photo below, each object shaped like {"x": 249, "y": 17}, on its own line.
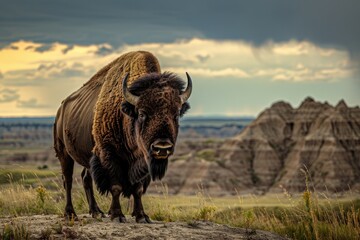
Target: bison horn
{"x": 131, "y": 98}
{"x": 186, "y": 94}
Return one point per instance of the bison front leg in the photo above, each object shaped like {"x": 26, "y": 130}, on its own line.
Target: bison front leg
{"x": 138, "y": 212}
{"x": 115, "y": 208}
{"x": 106, "y": 183}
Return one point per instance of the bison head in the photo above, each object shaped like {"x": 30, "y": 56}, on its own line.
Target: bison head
{"x": 154, "y": 103}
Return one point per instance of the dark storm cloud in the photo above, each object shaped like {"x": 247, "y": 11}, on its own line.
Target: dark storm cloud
{"x": 87, "y": 22}
{"x": 43, "y": 48}
{"x": 326, "y": 22}
{"x": 104, "y": 50}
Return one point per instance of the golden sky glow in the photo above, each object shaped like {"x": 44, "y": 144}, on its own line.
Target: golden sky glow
{"x": 34, "y": 77}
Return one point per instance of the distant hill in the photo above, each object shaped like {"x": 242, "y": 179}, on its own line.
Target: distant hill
{"x": 30, "y": 138}
{"x": 27, "y": 120}
{"x": 212, "y": 121}
{"x": 211, "y": 127}
{"x": 190, "y": 128}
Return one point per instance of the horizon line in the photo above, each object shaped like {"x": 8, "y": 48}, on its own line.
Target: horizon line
{"x": 190, "y": 116}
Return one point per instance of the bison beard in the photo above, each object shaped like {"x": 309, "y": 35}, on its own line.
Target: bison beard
{"x": 158, "y": 168}
{"x": 102, "y": 180}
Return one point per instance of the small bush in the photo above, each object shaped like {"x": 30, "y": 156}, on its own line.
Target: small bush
{"x": 15, "y": 231}
{"x": 159, "y": 215}
{"x": 41, "y": 194}
{"x": 206, "y": 213}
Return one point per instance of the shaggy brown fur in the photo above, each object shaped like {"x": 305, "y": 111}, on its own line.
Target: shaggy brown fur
{"x": 97, "y": 128}
{"x": 107, "y": 109}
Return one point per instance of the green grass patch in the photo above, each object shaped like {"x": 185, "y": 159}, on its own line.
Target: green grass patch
{"x": 207, "y": 154}
{"x": 23, "y": 175}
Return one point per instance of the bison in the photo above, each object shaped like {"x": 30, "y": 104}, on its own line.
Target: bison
{"x": 121, "y": 126}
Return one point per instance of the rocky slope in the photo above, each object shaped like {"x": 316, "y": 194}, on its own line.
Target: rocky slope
{"x": 273, "y": 149}
{"x": 270, "y": 154}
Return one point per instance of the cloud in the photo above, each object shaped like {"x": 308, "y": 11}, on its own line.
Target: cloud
{"x": 50, "y": 72}
{"x": 30, "y": 103}
{"x": 151, "y": 21}
{"x": 210, "y": 73}
{"x": 22, "y": 63}
{"x": 104, "y": 49}
{"x": 8, "y": 95}
{"x": 23, "y": 55}
{"x": 42, "y": 48}
{"x": 287, "y": 61}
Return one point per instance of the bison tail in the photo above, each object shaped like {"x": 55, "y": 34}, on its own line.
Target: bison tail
{"x": 100, "y": 175}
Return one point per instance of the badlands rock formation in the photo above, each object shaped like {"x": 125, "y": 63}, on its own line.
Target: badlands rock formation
{"x": 270, "y": 153}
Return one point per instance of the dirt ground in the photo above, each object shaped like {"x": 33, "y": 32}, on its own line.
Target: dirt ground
{"x": 54, "y": 227}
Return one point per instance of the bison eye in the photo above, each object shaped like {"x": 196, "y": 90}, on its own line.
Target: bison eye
{"x": 142, "y": 116}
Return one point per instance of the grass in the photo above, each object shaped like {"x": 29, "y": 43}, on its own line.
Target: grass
{"x": 310, "y": 215}
{"x": 15, "y": 231}
{"x": 26, "y": 176}
{"x": 207, "y": 154}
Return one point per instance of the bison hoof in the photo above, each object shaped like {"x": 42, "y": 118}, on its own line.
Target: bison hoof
{"x": 70, "y": 216}
{"x": 122, "y": 219}
{"x": 97, "y": 213}
{"x": 114, "y": 213}
{"x": 143, "y": 219}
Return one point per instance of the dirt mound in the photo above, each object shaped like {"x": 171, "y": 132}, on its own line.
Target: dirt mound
{"x": 53, "y": 227}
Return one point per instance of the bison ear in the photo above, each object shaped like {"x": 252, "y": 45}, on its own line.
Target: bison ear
{"x": 184, "y": 108}
{"x": 128, "y": 109}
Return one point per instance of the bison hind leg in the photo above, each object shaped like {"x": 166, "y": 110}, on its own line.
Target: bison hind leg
{"x": 100, "y": 175}
{"x": 94, "y": 209}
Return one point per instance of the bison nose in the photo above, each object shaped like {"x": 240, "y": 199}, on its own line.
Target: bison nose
{"x": 162, "y": 148}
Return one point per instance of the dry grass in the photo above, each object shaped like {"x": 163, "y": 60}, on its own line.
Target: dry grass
{"x": 308, "y": 216}
{"x": 15, "y": 231}
{"x": 25, "y": 176}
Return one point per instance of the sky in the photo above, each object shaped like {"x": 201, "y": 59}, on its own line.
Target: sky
{"x": 242, "y": 55}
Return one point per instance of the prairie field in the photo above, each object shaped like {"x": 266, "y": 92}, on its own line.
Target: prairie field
{"x": 27, "y": 190}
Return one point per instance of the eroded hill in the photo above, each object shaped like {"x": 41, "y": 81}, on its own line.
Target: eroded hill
{"x": 270, "y": 153}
